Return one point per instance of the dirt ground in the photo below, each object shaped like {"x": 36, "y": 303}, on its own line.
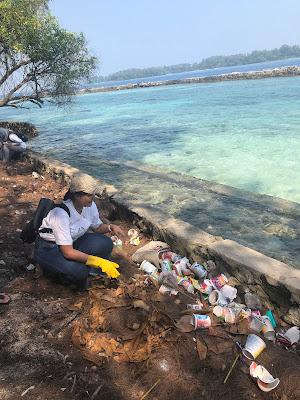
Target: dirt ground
{"x": 119, "y": 339}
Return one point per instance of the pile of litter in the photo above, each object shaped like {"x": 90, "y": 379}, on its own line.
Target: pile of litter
{"x": 131, "y": 322}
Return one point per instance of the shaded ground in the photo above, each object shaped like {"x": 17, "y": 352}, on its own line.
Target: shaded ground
{"x": 37, "y": 353}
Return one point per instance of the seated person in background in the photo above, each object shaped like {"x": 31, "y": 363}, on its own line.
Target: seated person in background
{"x": 12, "y": 144}
{"x": 64, "y": 249}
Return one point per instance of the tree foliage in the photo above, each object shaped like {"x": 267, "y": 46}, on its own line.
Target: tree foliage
{"x": 37, "y": 57}
{"x": 256, "y": 56}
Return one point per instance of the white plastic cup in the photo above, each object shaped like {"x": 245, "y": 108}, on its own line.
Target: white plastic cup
{"x": 228, "y": 292}
{"x": 206, "y": 286}
{"x": 224, "y": 313}
{"x": 201, "y": 321}
{"x": 253, "y": 347}
{"x": 219, "y": 281}
{"x": 147, "y": 267}
{"x": 216, "y": 298}
{"x": 255, "y": 324}
{"x": 268, "y": 386}
{"x": 265, "y": 380}
{"x": 198, "y": 270}
{"x": 267, "y": 328}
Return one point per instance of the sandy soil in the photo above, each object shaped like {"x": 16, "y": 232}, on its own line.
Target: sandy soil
{"x": 47, "y": 328}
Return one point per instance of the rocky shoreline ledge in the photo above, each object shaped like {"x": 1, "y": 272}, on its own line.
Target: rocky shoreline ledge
{"x": 277, "y": 283}
{"x": 266, "y": 73}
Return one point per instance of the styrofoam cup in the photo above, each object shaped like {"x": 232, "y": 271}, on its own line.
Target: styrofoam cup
{"x": 253, "y": 347}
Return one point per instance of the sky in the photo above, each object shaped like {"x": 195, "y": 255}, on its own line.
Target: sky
{"x": 141, "y": 33}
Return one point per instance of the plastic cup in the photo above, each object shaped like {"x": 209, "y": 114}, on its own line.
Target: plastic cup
{"x": 219, "y": 281}
{"x": 206, "y": 286}
{"x": 267, "y": 387}
{"x": 253, "y": 347}
{"x": 265, "y": 380}
{"x": 116, "y": 241}
{"x": 147, "y": 267}
{"x": 216, "y": 298}
{"x": 198, "y": 270}
{"x": 255, "y": 324}
{"x": 225, "y": 314}
{"x": 267, "y": 328}
{"x": 228, "y": 292}
{"x": 201, "y": 321}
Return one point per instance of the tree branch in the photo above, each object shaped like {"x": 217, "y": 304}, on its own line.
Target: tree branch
{"x": 12, "y": 70}
{"x": 7, "y": 98}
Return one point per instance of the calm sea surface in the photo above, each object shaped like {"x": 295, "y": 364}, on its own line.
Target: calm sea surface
{"x": 245, "y": 134}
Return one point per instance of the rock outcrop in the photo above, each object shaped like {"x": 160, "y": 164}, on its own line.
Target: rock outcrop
{"x": 266, "y": 73}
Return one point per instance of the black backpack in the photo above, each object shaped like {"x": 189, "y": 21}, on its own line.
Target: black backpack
{"x": 29, "y": 233}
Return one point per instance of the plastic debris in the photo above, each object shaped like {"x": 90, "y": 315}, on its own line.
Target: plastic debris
{"x": 35, "y": 175}
{"x": 30, "y": 267}
{"x": 267, "y": 329}
{"x": 253, "y": 346}
{"x": 252, "y": 300}
{"x": 135, "y": 240}
{"x": 116, "y": 241}
{"x": 265, "y": 380}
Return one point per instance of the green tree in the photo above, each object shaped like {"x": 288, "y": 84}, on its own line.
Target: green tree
{"x": 37, "y": 57}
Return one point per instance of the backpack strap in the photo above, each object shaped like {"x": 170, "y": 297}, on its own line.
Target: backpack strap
{"x": 62, "y": 206}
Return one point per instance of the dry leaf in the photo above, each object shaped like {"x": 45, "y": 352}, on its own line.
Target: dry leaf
{"x": 109, "y": 298}
{"x": 140, "y": 304}
{"x": 242, "y": 326}
{"x": 212, "y": 347}
{"x": 202, "y": 350}
{"x": 157, "y": 297}
{"x": 184, "y": 324}
{"x": 119, "y": 292}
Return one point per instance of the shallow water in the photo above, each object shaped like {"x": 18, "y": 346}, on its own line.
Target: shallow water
{"x": 243, "y": 134}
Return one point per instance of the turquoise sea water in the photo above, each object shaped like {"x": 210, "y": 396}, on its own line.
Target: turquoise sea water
{"x": 244, "y": 134}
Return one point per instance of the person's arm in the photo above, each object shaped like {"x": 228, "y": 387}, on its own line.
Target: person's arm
{"x": 70, "y": 253}
{"x": 111, "y": 228}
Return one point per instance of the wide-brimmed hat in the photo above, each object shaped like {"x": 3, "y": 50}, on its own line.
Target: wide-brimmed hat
{"x": 85, "y": 183}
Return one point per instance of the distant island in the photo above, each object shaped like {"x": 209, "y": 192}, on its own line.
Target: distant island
{"x": 256, "y": 56}
{"x": 265, "y": 73}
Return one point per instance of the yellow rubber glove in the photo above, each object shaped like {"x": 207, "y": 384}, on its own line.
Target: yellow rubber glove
{"x": 108, "y": 267}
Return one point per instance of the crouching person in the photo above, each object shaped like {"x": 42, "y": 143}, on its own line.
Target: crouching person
{"x": 64, "y": 249}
